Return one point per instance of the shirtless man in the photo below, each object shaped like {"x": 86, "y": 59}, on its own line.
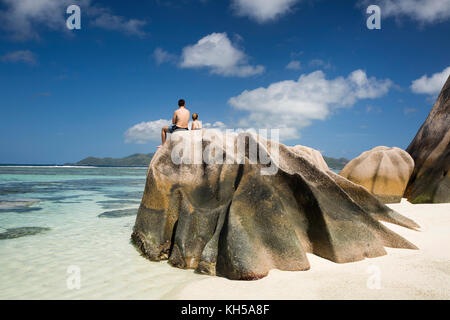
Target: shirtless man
{"x": 180, "y": 121}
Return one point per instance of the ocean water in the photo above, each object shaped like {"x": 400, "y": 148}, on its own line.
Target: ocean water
{"x": 65, "y": 234}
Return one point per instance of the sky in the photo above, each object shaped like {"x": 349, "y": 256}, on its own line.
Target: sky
{"x": 311, "y": 68}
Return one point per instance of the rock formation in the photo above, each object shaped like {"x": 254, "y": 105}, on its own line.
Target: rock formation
{"x": 239, "y": 220}
{"x": 383, "y": 171}
{"x": 430, "y": 149}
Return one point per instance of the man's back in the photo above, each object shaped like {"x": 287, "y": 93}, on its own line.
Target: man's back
{"x": 182, "y": 117}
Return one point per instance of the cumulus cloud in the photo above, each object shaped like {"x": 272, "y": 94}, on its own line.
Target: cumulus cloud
{"x": 24, "y": 56}
{"x": 216, "y": 125}
{"x": 146, "y": 132}
{"x": 291, "y": 105}
{"x": 217, "y": 53}
{"x": 161, "y": 56}
{"x": 294, "y": 65}
{"x": 423, "y": 11}
{"x": 22, "y": 19}
{"x": 431, "y": 85}
{"x": 263, "y": 10}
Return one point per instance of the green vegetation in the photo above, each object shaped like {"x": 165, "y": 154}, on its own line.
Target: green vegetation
{"x": 135, "y": 160}
{"x": 423, "y": 198}
{"x": 336, "y": 164}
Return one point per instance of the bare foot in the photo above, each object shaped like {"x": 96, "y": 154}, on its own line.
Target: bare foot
{"x": 159, "y": 147}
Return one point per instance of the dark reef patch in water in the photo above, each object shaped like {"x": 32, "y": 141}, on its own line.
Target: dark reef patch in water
{"x": 20, "y": 209}
{"x": 136, "y": 195}
{"x": 117, "y": 204}
{"x": 60, "y": 198}
{"x": 119, "y": 213}
{"x": 18, "y": 206}
{"x": 52, "y": 187}
{"x": 67, "y": 202}
{"x": 14, "y": 233}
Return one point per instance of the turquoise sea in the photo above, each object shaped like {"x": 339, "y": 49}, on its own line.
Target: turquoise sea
{"x": 60, "y": 225}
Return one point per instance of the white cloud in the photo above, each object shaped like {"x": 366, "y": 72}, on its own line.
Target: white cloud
{"x": 25, "y": 56}
{"x": 161, "y": 56}
{"x": 216, "y": 125}
{"x": 23, "y": 19}
{"x": 291, "y": 105}
{"x": 294, "y": 65}
{"x": 217, "y": 53}
{"x": 263, "y": 10}
{"x": 431, "y": 85}
{"x": 424, "y": 11}
{"x": 145, "y": 132}
{"x": 103, "y": 18}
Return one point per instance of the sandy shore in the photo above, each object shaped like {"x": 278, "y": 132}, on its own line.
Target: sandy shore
{"x": 401, "y": 274}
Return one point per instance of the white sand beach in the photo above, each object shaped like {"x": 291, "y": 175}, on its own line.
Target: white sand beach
{"x": 403, "y": 274}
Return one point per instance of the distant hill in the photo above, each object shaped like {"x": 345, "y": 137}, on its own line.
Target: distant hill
{"x": 135, "y": 160}
{"x": 143, "y": 160}
{"x": 336, "y": 164}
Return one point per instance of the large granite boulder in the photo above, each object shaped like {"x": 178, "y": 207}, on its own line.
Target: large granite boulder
{"x": 240, "y": 219}
{"x": 383, "y": 171}
{"x": 430, "y": 149}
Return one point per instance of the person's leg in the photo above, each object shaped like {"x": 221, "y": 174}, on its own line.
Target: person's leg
{"x": 164, "y": 131}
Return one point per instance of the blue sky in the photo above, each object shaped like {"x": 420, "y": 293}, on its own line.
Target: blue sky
{"x": 311, "y": 68}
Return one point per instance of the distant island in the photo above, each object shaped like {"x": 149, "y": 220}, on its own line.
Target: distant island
{"x": 143, "y": 160}
{"x": 336, "y": 164}
{"x": 135, "y": 160}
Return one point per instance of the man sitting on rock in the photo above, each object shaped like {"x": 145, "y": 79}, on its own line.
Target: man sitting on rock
{"x": 180, "y": 121}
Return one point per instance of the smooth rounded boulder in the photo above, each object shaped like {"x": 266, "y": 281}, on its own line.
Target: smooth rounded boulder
{"x": 383, "y": 171}
{"x": 219, "y": 212}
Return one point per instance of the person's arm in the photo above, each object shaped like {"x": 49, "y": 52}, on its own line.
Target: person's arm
{"x": 192, "y": 126}
{"x": 174, "y": 118}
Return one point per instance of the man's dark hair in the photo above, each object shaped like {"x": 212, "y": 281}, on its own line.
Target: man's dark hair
{"x": 181, "y": 103}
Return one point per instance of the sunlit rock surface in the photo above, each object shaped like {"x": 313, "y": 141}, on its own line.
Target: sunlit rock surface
{"x": 430, "y": 149}
{"x": 383, "y": 171}
{"x": 241, "y": 220}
